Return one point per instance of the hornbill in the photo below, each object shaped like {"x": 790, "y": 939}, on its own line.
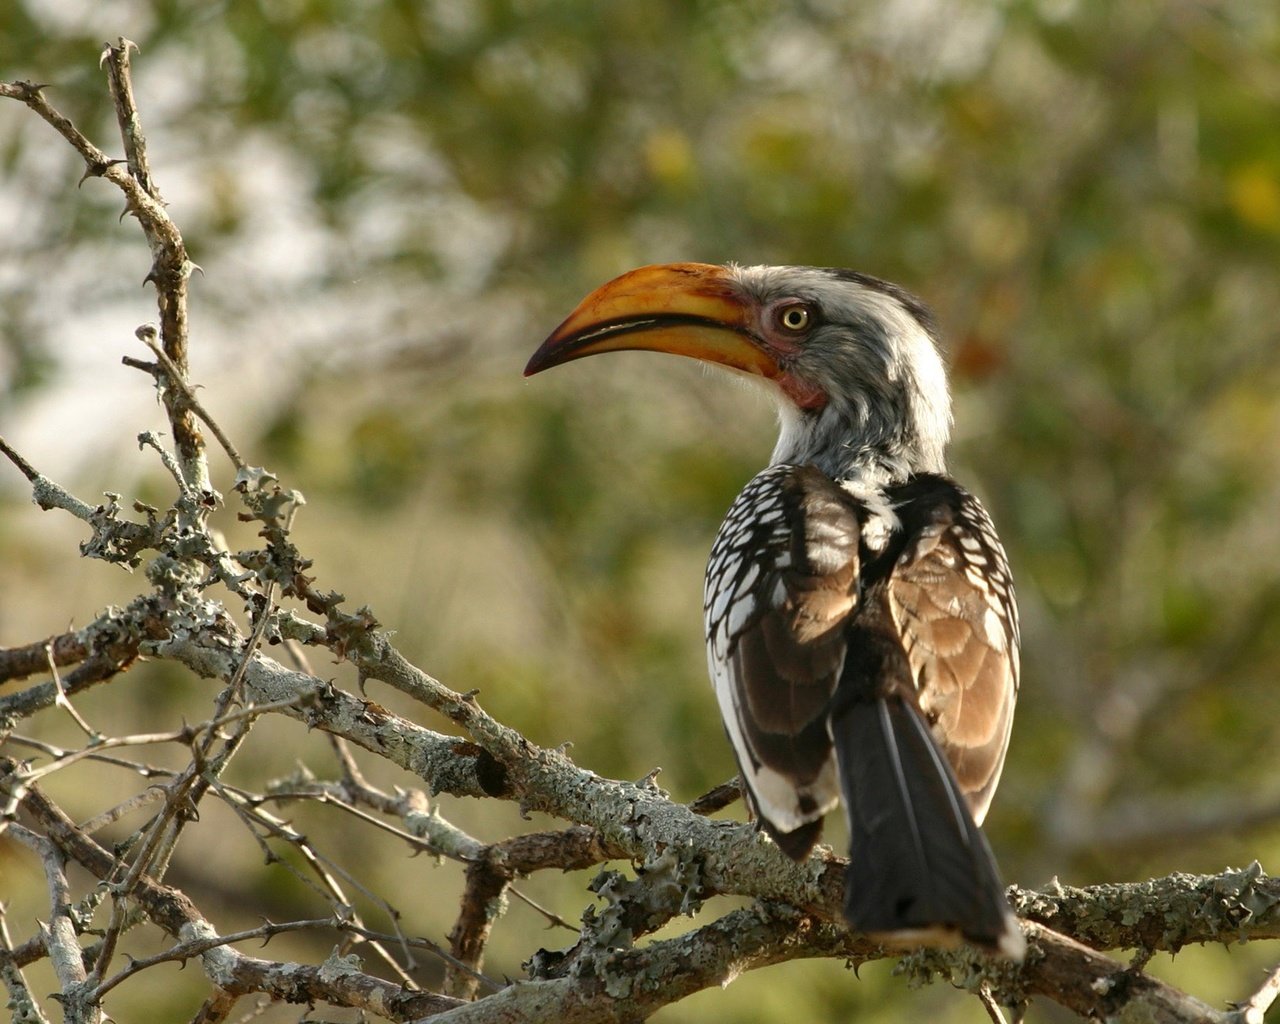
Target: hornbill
{"x": 862, "y": 634}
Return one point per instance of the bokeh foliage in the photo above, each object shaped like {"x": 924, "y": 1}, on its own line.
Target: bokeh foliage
{"x": 394, "y": 201}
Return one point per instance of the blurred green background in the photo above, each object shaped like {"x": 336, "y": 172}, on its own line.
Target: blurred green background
{"x": 393, "y": 202}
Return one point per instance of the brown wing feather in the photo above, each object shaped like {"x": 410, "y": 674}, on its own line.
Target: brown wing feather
{"x": 952, "y": 601}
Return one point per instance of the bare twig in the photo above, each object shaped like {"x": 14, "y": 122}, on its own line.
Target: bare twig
{"x": 184, "y": 951}
{"x": 247, "y": 808}
{"x": 420, "y": 942}
{"x": 432, "y": 833}
{"x": 175, "y": 378}
{"x": 27, "y": 469}
{"x": 25, "y": 1009}
{"x": 120, "y": 810}
{"x": 170, "y": 268}
{"x": 95, "y": 670}
{"x": 33, "y": 96}
{"x": 482, "y": 903}
{"x": 185, "y": 792}
{"x": 148, "y": 439}
{"x": 717, "y": 799}
{"x": 60, "y": 935}
{"x": 206, "y": 766}
{"x": 146, "y": 771}
{"x": 45, "y": 492}
{"x": 116, "y": 60}
{"x": 187, "y": 735}
{"x": 121, "y": 890}
{"x": 232, "y": 971}
{"x": 61, "y": 699}
{"x": 1254, "y": 1009}
{"x": 990, "y": 1005}
{"x": 553, "y": 919}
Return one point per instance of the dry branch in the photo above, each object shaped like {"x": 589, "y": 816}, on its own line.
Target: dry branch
{"x": 170, "y": 269}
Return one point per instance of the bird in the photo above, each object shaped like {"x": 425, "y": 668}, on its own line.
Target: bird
{"x": 861, "y": 623}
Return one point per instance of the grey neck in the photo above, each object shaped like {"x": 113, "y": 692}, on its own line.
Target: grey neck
{"x": 858, "y": 445}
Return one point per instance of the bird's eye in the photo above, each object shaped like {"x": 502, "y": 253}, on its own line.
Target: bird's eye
{"x": 794, "y": 318}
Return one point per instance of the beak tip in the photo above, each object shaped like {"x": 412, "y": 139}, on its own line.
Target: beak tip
{"x": 538, "y": 362}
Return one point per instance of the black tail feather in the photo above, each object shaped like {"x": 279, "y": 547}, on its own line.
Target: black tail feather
{"x": 796, "y": 844}
{"x": 919, "y": 867}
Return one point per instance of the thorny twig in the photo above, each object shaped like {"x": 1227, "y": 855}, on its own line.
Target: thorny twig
{"x": 61, "y": 699}
{"x": 59, "y": 935}
{"x": 176, "y": 379}
{"x": 1254, "y": 1009}
{"x": 184, "y": 951}
{"x": 25, "y": 1009}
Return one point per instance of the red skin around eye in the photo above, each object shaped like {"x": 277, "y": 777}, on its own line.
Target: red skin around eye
{"x": 804, "y": 394}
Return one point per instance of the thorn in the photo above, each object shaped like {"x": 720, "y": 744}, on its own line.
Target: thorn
{"x": 102, "y": 57}
{"x": 128, "y": 44}
{"x": 648, "y": 782}
{"x": 97, "y": 171}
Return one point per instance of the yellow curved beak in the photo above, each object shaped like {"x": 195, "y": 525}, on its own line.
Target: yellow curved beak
{"x": 688, "y": 309}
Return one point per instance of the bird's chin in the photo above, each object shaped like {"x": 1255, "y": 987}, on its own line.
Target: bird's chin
{"x": 791, "y": 395}
{"x": 785, "y": 388}
{"x": 805, "y": 394}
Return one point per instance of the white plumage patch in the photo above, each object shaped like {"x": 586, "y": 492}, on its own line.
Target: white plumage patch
{"x": 881, "y": 521}
{"x": 743, "y": 582}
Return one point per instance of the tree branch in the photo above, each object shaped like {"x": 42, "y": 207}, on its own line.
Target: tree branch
{"x": 335, "y": 981}
{"x": 1160, "y": 914}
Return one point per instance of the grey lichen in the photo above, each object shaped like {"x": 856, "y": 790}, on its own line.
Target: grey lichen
{"x": 1165, "y": 913}
{"x": 336, "y": 966}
